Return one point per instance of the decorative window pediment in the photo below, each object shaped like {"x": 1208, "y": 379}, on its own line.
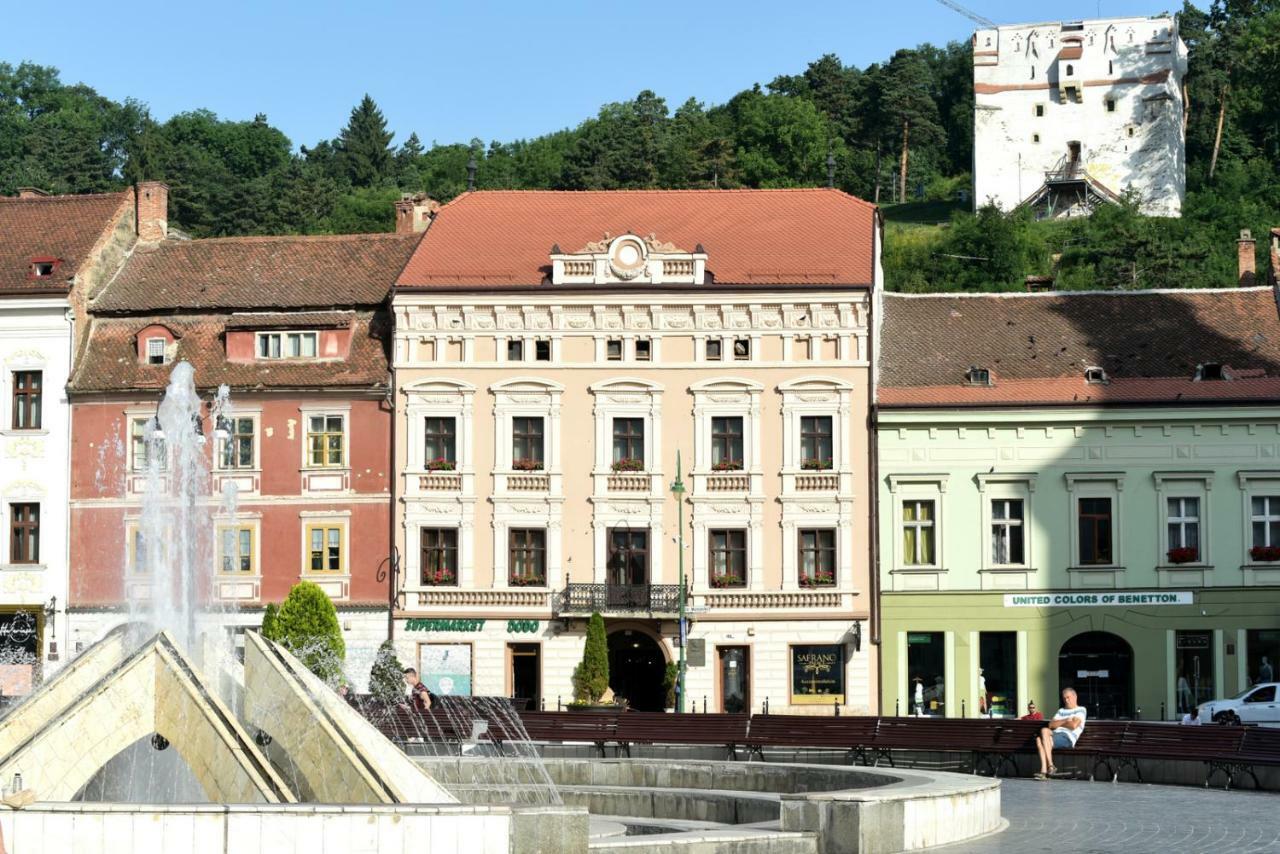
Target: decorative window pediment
{"x": 626, "y": 259}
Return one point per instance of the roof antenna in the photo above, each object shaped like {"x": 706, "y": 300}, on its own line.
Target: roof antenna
{"x": 471, "y": 172}
{"x": 831, "y": 168}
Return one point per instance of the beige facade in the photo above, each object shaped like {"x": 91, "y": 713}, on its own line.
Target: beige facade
{"x": 646, "y": 374}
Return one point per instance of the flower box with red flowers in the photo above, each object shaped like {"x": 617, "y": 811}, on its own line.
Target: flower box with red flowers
{"x": 727, "y": 465}
{"x": 721, "y": 581}
{"x": 527, "y": 465}
{"x": 1184, "y": 554}
{"x": 527, "y": 581}
{"x": 821, "y": 578}
{"x": 1265, "y": 554}
{"x": 628, "y": 464}
{"x": 439, "y": 578}
{"x": 816, "y": 465}
{"x": 440, "y": 464}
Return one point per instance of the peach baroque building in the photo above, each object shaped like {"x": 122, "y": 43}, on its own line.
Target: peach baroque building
{"x": 553, "y": 353}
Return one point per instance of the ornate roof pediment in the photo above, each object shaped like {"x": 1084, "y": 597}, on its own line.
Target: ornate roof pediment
{"x": 628, "y": 258}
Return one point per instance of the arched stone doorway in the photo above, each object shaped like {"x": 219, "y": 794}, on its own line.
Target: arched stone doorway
{"x": 637, "y": 665}
{"x": 1100, "y": 667}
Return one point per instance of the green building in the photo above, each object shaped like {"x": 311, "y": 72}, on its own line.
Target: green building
{"x": 1078, "y": 489}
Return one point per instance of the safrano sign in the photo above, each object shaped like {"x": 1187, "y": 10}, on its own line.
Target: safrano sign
{"x": 1124, "y": 599}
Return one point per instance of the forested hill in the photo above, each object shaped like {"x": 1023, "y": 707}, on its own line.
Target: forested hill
{"x": 246, "y": 177}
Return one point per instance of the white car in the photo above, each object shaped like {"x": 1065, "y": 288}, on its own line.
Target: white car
{"x": 1256, "y": 704}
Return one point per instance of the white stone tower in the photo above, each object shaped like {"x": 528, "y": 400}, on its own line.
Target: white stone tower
{"x": 1071, "y": 115}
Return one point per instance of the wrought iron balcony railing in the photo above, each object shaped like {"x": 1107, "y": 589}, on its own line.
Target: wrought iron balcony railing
{"x": 650, "y": 599}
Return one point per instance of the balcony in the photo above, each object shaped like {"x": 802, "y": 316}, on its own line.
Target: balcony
{"x": 650, "y": 599}
{"x": 733, "y": 482}
{"x": 628, "y": 482}
{"x": 440, "y": 482}
{"x": 828, "y": 481}
{"x": 535, "y": 482}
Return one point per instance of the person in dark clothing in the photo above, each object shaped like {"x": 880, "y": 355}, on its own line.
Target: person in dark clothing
{"x": 419, "y": 696}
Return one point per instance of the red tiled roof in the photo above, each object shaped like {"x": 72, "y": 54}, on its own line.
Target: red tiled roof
{"x": 61, "y": 227}
{"x": 503, "y": 238}
{"x": 110, "y": 362}
{"x": 1037, "y": 347}
{"x": 289, "y": 319}
{"x": 258, "y": 272}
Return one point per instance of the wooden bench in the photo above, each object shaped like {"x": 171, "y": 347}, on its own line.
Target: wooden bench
{"x": 1212, "y": 745}
{"x": 1258, "y": 746}
{"x": 596, "y": 728}
{"x": 854, "y": 735}
{"x": 719, "y": 730}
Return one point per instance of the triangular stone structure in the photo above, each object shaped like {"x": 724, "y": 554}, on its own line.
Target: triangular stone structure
{"x": 108, "y": 699}
{"x": 340, "y": 757}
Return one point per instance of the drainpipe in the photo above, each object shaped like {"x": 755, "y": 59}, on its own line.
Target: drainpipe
{"x": 393, "y": 569}
{"x": 873, "y": 467}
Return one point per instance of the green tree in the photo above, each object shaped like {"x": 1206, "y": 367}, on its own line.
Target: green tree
{"x": 591, "y": 676}
{"x": 907, "y": 102}
{"x": 307, "y": 625}
{"x": 779, "y": 141}
{"x": 386, "y": 679}
{"x": 364, "y": 146}
{"x": 270, "y": 628}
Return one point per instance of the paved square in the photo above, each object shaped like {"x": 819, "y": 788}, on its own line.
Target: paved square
{"x": 1101, "y": 818}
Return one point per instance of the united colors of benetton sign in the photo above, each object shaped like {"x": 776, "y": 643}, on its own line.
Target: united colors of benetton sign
{"x": 1128, "y": 598}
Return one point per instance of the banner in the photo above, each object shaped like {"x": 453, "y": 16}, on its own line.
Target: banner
{"x": 1110, "y": 598}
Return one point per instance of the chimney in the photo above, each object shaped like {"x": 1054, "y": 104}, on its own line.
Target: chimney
{"x": 153, "y": 210}
{"x": 31, "y": 193}
{"x": 414, "y": 212}
{"x": 1245, "y": 247}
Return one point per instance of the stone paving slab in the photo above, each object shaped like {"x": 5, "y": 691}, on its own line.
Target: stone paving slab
{"x": 1110, "y": 818}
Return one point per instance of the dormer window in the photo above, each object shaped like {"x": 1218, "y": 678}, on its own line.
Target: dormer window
{"x": 978, "y": 376}
{"x": 1096, "y": 376}
{"x": 156, "y": 351}
{"x": 288, "y": 345}
{"x": 42, "y": 268}
{"x": 628, "y": 258}
{"x": 1211, "y": 371}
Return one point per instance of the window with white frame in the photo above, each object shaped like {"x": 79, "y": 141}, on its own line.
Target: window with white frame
{"x": 235, "y": 549}
{"x": 440, "y": 443}
{"x": 146, "y": 444}
{"x": 527, "y": 443}
{"x": 919, "y": 532}
{"x": 236, "y": 442}
{"x": 326, "y": 440}
{"x": 1182, "y": 521}
{"x": 628, "y": 427}
{"x": 155, "y": 351}
{"x": 288, "y": 345}
{"x": 1008, "y": 534}
{"x": 1264, "y": 520}
{"x": 1183, "y": 507}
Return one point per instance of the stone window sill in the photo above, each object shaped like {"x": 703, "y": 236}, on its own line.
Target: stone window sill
{"x": 921, "y": 570}
{"x": 1096, "y": 568}
{"x": 15, "y": 432}
{"x": 1203, "y": 566}
{"x": 23, "y": 567}
{"x": 1010, "y": 568}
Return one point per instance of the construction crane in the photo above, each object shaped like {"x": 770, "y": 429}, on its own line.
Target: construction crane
{"x": 972, "y": 16}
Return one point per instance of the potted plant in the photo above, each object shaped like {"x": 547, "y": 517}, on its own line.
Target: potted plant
{"x": 440, "y": 464}
{"x": 816, "y": 465}
{"x": 726, "y": 580}
{"x": 439, "y": 577}
{"x": 727, "y": 465}
{"x": 527, "y": 465}
{"x": 628, "y": 464}
{"x": 591, "y": 676}
{"x": 1265, "y": 554}
{"x": 669, "y": 680}
{"x": 821, "y": 578}
{"x": 1184, "y": 554}
{"x": 527, "y": 581}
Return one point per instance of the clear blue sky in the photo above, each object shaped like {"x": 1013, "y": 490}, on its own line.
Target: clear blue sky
{"x": 468, "y": 68}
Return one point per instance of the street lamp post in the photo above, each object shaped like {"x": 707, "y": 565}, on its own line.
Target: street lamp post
{"x": 677, "y": 489}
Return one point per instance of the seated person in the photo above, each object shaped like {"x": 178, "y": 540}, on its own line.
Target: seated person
{"x": 419, "y": 696}
{"x": 1033, "y": 714}
{"x": 1062, "y": 732}
{"x": 1192, "y": 718}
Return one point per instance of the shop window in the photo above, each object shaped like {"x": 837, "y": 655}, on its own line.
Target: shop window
{"x": 1262, "y": 653}
{"x": 1195, "y": 678}
{"x": 439, "y": 552}
{"x": 326, "y": 440}
{"x": 1007, "y": 532}
{"x": 28, "y": 394}
{"x": 527, "y": 557}
{"x": 998, "y": 674}
{"x": 918, "y": 533}
{"x": 628, "y": 558}
{"x": 817, "y": 674}
{"x": 727, "y": 558}
{"x": 735, "y": 679}
{"x": 726, "y": 443}
{"x": 926, "y": 663}
{"x": 440, "y": 443}
{"x": 1093, "y": 523}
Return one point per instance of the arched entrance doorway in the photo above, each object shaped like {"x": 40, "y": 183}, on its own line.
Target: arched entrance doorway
{"x": 1100, "y": 667}
{"x": 636, "y": 669}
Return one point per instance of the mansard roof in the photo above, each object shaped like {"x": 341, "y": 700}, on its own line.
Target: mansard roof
{"x": 1153, "y": 347}
{"x": 505, "y": 238}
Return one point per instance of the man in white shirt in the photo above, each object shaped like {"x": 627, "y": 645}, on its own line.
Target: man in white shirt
{"x": 1062, "y": 732}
